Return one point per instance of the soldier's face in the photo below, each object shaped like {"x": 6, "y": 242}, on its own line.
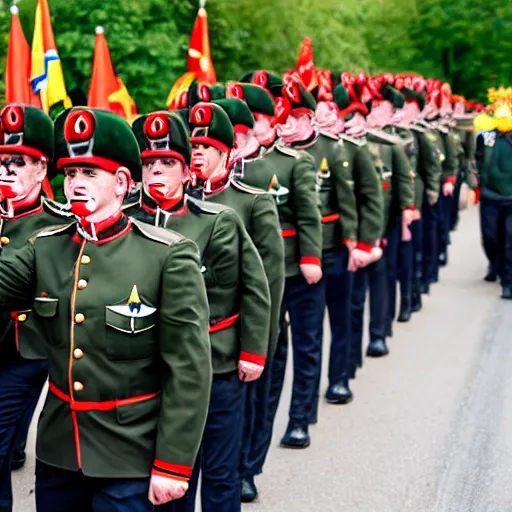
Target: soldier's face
{"x": 163, "y": 178}
{"x": 381, "y": 114}
{"x": 411, "y": 111}
{"x": 94, "y": 193}
{"x": 213, "y": 158}
{"x": 20, "y": 175}
{"x": 263, "y": 129}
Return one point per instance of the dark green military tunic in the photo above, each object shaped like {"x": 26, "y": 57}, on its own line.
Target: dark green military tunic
{"x": 422, "y": 158}
{"x": 289, "y": 175}
{"x": 20, "y": 333}
{"x": 464, "y": 139}
{"x": 126, "y": 319}
{"x": 396, "y": 174}
{"x": 235, "y": 280}
{"x": 494, "y": 160}
{"x": 258, "y": 213}
{"x": 446, "y": 152}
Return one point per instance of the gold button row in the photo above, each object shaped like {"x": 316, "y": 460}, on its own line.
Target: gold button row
{"x": 85, "y": 260}
{"x": 79, "y": 318}
{"x": 78, "y": 386}
{"x": 22, "y": 317}
{"x": 5, "y": 240}
{"x": 78, "y": 353}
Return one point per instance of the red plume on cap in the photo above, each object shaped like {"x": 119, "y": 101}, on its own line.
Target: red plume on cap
{"x": 157, "y": 125}
{"x": 13, "y": 119}
{"x": 282, "y": 110}
{"x": 352, "y": 85}
{"x": 79, "y": 127}
{"x": 325, "y": 87}
{"x": 306, "y": 65}
{"x": 433, "y": 87}
{"x": 235, "y": 91}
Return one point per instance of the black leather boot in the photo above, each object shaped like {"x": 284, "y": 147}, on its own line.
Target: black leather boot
{"x": 339, "y": 394}
{"x": 377, "y": 348}
{"x": 296, "y": 436}
{"x": 248, "y": 490}
{"x": 506, "y": 292}
{"x": 416, "y": 304}
{"x": 405, "y": 310}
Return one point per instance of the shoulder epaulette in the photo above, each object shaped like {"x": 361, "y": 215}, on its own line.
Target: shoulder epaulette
{"x": 199, "y": 206}
{"x": 358, "y": 141}
{"x": 288, "y": 151}
{"x": 417, "y": 128}
{"x": 329, "y": 135}
{"x": 54, "y": 230}
{"x": 58, "y": 209}
{"x": 162, "y": 235}
{"x": 383, "y": 137}
{"x": 243, "y": 187}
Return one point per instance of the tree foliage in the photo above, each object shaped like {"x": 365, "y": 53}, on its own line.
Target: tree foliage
{"x": 467, "y": 42}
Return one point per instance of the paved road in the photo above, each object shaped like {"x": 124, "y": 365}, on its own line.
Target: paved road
{"x": 429, "y": 429}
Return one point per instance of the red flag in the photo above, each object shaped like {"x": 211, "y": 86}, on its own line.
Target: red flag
{"x": 106, "y": 90}
{"x": 199, "y": 58}
{"x": 306, "y": 65}
{"x": 17, "y": 73}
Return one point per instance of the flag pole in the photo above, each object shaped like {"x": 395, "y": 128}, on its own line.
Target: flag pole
{"x": 202, "y": 3}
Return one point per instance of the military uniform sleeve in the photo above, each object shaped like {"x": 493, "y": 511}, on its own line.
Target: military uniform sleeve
{"x": 345, "y": 196}
{"x": 307, "y": 211}
{"x": 450, "y": 162}
{"x": 429, "y": 165}
{"x": 266, "y": 236}
{"x": 469, "y": 158}
{"x": 403, "y": 177}
{"x": 17, "y": 278}
{"x": 368, "y": 192}
{"x": 254, "y": 294}
{"x": 187, "y": 366}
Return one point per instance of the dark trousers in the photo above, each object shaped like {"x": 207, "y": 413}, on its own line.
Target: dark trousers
{"x": 374, "y": 278}
{"x": 496, "y": 225}
{"x": 20, "y": 385}
{"x": 59, "y": 490}
{"x": 454, "y": 217}
{"x": 430, "y": 214}
{"x": 393, "y": 240}
{"x": 303, "y": 303}
{"x": 444, "y": 225}
{"x": 337, "y": 283}
{"x": 411, "y": 264}
{"x": 254, "y": 438}
{"x": 219, "y": 457}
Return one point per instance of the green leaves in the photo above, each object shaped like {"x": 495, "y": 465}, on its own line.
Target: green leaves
{"x": 467, "y": 42}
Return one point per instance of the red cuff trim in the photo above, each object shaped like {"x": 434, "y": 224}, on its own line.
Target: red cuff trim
{"x": 364, "y": 247}
{"x": 167, "y": 475}
{"x": 330, "y": 218}
{"x": 288, "y": 233}
{"x": 310, "y": 260}
{"x": 451, "y": 179}
{"x": 411, "y": 207}
{"x": 172, "y": 470}
{"x": 253, "y": 358}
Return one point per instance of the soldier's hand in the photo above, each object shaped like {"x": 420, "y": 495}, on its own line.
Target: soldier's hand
{"x": 247, "y": 372}
{"x": 416, "y": 215}
{"x": 376, "y": 254}
{"x": 407, "y": 216}
{"x": 312, "y": 273}
{"x": 351, "y": 244}
{"x": 163, "y": 489}
{"x": 432, "y": 197}
{"x": 448, "y": 189}
{"x": 359, "y": 259}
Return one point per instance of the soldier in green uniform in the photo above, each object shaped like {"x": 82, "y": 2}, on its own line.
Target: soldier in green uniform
{"x": 351, "y": 204}
{"x": 289, "y": 175}
{"x": 436, "y": 225}
{"x": 494, "y": 163}
{"x": 26, "y": 149}
{"x": 128, "y": 346}
{"x": 237, "y": 294}
{"x": 396, "y": 181}
{"x": 426, "y": 170}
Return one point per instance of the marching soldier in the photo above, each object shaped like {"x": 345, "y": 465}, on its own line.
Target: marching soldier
{"x": 435, "y": 215}
{"x": 426, "y": 169}
{"x": 396, "y": 181}
{"x": 26, "y": 149}
{"x": 289, "y": 175}
{"x": 128, "y": 347}
{"x": 235, "y": 282}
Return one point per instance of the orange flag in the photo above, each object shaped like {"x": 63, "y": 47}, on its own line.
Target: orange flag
{"x": 106, "y": 90}
{"x": 306, "y": 65}
{"x": 17, "y": 73}
{"x": 199, "y": 58}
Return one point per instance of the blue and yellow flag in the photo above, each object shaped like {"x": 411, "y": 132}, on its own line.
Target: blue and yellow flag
{"x": 46, "y": 78}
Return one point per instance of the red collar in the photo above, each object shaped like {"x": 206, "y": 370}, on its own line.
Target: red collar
{"x": 104, "y": 231}
{"x": 176, "y": 206}
{"x": 29, "y": 205}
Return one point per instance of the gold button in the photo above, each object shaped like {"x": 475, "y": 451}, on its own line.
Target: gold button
{"x": 345, "y": 164}
{"x": 22, "y": 317}
{"x": 78, "y": 386}
{"x": 4, "y": 240}
{"x": 79, "y": 318}
{"x": 85, "y": 260}
{"x": 78, "y": 354}
{"x": 82, "y": 284}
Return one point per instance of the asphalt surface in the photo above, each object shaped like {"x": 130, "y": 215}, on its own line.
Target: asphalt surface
{"x": 429, "y": 428}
